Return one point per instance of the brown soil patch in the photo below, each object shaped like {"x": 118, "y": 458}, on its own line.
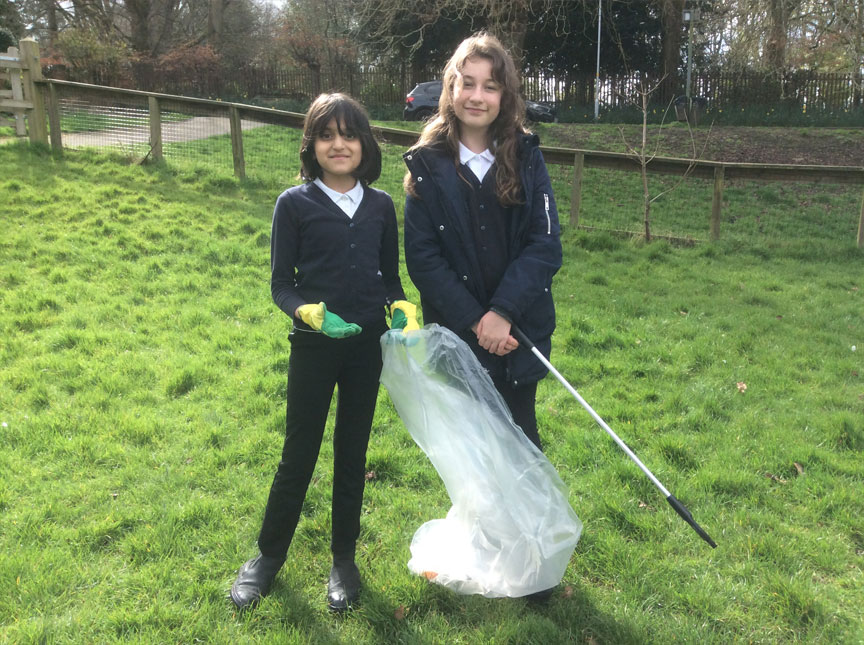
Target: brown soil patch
{"x": 811, "y": 146}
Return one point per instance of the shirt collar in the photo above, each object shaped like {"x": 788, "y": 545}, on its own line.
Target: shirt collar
{"x": 355, "y": 195}
{"x": 465, "y": 155}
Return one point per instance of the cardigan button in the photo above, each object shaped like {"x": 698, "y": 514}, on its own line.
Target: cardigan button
{"x": 409, "y": 157}
{"x": 465, "y": 277}
{"x": 441, "y": 228}
{"x": 419, "y": 178}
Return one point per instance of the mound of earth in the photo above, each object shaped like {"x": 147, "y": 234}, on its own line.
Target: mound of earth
{"x": 792, "y": 145}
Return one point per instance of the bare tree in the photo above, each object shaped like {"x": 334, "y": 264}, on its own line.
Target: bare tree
{"x": 508, "y": 20}
{"x": 645, "y": 152}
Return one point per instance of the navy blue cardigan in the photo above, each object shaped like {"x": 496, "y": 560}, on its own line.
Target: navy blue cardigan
{"x": 443, "y": 264}
{"x": 318, "y": 253}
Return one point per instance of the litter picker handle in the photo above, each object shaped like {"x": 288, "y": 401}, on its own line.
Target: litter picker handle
{"x": 673, "y": 502}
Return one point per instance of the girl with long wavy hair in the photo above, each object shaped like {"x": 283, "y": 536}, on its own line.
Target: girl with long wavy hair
{"x": 482, "y": 240}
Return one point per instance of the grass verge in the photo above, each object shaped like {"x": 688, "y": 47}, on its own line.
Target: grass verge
{"x": 142, "y": 411}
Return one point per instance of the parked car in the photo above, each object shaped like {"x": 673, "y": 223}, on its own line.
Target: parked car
{"x": 422, "y": 102}
{"x": 539, "y": 112}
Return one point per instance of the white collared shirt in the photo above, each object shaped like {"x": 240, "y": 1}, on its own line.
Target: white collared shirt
{"x": 479, "y": 163}
{"x": 348, "y": 202}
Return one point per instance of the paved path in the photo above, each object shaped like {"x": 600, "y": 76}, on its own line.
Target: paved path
{"x": 199, "y": 127}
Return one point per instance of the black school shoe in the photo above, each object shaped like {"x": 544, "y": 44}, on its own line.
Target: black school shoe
{"x": 254, "y": 580}
{"x": 343, "y": 586}
{"x": 540, "y": 596}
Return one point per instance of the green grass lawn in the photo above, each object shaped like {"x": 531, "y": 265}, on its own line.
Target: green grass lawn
{"x": 142, "y": 375}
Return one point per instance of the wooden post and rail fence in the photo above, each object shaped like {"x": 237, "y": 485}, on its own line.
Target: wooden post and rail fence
{"x": 35, "y": 92}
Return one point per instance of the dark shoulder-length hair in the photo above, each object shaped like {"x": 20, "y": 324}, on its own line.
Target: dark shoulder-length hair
{"x": 505, "y": 131}
{"x": 350, "y": 118}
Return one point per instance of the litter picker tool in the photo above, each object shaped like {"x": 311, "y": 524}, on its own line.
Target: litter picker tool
{"x": 673, "y": 502}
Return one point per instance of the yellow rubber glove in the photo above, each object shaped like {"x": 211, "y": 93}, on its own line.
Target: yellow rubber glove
{"x": 328, "y": 323}
{"x": 403, "y": 316}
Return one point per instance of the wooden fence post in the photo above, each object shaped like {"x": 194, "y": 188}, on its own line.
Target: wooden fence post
{"x": 717, "y": 203}
{"x": 32, "y": 91}
{"x": 237, "y": 142}
{"x": 155, "y": 128}
{"x": 576, "y": 190}
{"x": 861, "y": 223}
{"x": 17, "y": 94}
{"x": 54, "y": 121}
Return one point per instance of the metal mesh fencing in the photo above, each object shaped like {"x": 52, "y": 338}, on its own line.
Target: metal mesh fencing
{"x": 199, "y": 132}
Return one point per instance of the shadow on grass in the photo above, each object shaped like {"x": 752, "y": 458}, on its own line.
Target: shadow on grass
{"x": 568, "y": 616}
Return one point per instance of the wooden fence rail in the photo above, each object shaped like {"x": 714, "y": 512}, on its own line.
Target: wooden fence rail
{"x": 720, "y": 172}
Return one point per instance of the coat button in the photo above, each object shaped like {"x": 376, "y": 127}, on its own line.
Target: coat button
{"x": 515, "y": 383}
{"x": 353, "y": 245}
{"x": 546, "y": 289}
{"x": 441, "y": 228}
{"x": 409, "y": 157}
{"x": 419, "y": 178}
{"x": 465, "y": 277}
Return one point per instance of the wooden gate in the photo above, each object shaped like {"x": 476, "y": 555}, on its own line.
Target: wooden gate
{"x": 23, "y": 98}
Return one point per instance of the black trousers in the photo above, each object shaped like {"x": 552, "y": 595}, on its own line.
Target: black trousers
{"x": 521, "y": 401}
{"x": 318, "y": 365}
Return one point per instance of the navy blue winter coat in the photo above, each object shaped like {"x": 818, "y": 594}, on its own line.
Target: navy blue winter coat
{"x": 443, "y": 264}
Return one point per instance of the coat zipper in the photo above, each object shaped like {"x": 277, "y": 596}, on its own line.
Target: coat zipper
{"x": 548, "y": 219}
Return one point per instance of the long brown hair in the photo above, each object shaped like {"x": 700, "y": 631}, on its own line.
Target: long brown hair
{"x": 505, "y": 130}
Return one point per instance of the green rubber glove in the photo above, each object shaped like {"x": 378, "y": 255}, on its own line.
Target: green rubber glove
{"x": 328, "y": 323}
{"x": 403, "y": 316}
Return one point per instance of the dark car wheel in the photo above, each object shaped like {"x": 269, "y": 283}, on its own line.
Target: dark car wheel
{"x": 423, "y": 113}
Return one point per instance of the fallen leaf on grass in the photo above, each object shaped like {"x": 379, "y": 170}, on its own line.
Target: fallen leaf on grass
{"x": 399, "y": 614}
{"x": 742, "y": 386}
{"x": 568, "y": 592}
{"x": 370, "y": 475}
{"x": 644, "y": 505}
{"x": 775, "y": 478}
{"x": 798, "y": 467}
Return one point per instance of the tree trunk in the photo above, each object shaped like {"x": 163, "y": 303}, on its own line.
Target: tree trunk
{"x": 139, "y": 25}
{"x": 215, "y": 23}
{"x": 671, "y": 20}
{"x": 51, "y": 15}
{"x": 775, "y": 44}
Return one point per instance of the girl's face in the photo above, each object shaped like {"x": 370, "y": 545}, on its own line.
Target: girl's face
{"x": 476, "y": 96}
{"x": 339, "y": 155}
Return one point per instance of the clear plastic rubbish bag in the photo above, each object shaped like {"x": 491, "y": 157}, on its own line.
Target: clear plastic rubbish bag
{"x": 511, "y": 530}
